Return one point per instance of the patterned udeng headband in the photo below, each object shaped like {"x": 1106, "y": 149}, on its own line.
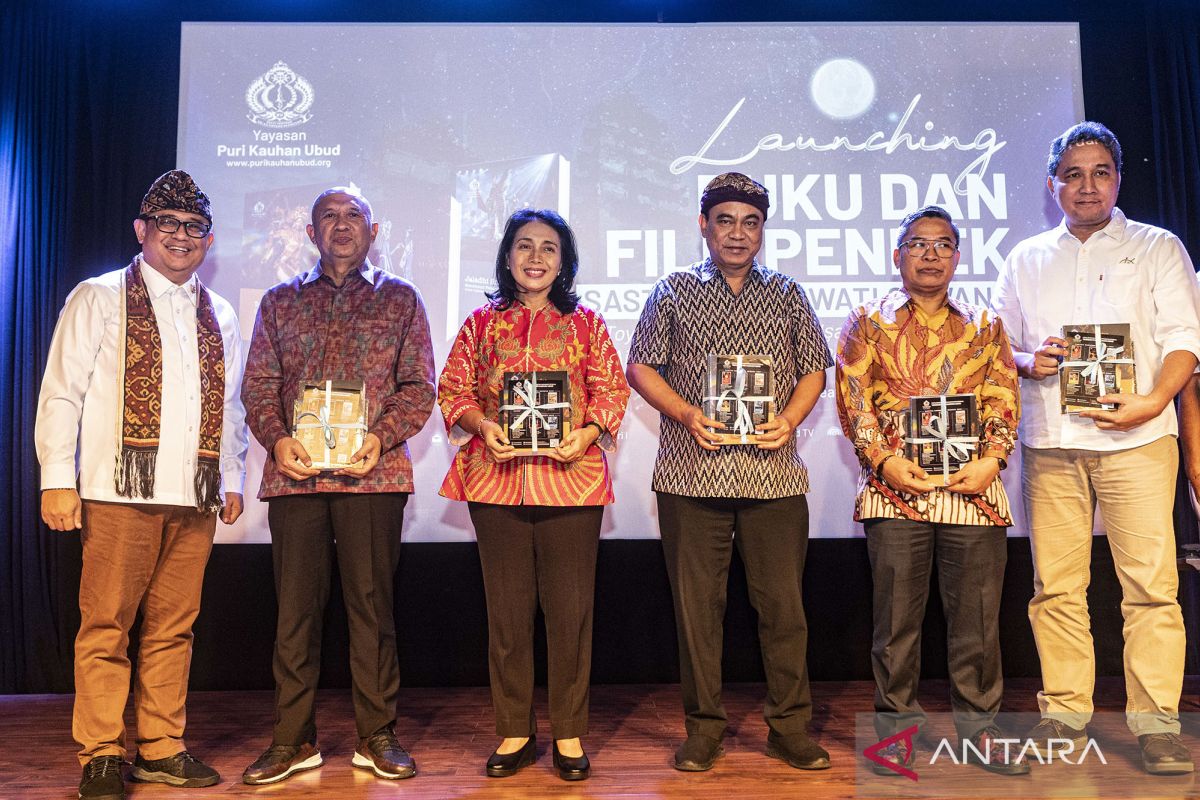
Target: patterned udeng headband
{"x": 734, "y": 187}
{"x": 176, "y": 191}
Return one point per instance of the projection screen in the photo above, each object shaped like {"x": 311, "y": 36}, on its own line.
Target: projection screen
{"x": 449, "y": 128}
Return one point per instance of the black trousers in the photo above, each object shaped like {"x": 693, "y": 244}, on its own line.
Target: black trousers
{"x": 970, "y": 561}
{"x": 305, "y": 529}
{"x": 533, "y": 554}
{"x": 698, "y": 536}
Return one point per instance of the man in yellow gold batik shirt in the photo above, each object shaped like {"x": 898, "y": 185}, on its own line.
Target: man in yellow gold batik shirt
{"x": 918, "y": 342}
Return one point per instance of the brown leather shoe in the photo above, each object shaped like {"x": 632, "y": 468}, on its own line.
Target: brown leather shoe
{"x": 281, "y": 761}
{"x": 798, "y": 750}
{"x": 898, "y": 753}
{"x": 1052, "y": 736}
{"x": 382, "y": 754}
{"x": 697, "y": 753}
{"x": 988, "y": 752}
{"x": 1165, "y": 754}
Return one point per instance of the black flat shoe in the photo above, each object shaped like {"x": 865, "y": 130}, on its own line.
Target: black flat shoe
{"x": 569, "y": 768}
{"x": 508, "y": 764}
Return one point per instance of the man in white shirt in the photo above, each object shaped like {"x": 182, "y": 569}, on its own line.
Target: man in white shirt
{"x": 1098, "y": 267}
{"x": 143, "y": 373}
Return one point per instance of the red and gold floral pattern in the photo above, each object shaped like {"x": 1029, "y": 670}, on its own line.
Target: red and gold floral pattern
{"x": 889, "y": 351}
{"x": 493, "y": 341}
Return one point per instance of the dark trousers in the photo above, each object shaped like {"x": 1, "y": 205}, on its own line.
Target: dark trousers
{"x": 305, "y": 529}
{"x": 698, "y": 536}
{"x": 970, "y": 562}
{"x": 533, "y": 554}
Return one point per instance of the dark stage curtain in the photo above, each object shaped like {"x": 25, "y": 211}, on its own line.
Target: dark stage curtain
{"x": 1174, "y": 49}
{"x": 1173, "y": 28}
{"x": 34, "y": 114}
{"x": 87, "y": 121}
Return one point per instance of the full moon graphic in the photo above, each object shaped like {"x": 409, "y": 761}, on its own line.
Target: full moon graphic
{"x": 842, "y": 88}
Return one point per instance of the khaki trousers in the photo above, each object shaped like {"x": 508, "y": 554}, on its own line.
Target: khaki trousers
{"x": 135, "y": 556}
{"x": 1135, "y": 490}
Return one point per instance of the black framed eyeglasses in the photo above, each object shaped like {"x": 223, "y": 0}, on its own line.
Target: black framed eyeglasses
{"x": 169, "y": 224}
{"x": 919, "y": 247}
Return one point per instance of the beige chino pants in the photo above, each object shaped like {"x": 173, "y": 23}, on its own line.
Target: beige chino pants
{"x": 1135, "y": 490}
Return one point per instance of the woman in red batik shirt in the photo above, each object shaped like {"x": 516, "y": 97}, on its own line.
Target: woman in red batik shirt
{"x": 537, "y": 517}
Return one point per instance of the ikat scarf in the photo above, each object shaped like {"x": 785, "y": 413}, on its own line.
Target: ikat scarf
{"x": 141, "y": 395}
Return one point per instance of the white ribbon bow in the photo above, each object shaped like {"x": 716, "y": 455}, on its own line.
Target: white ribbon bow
{"x": 744, "y": 424}
{"x": 322, "y": 421}
{"x": 527, "y": 391}
{"x": 938, "y": 428}
{"x": 322, "y": 418}
{"x": 1092, "y": 371}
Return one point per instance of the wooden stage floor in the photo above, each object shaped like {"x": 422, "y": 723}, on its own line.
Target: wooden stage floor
{"x": 634, "y": 730}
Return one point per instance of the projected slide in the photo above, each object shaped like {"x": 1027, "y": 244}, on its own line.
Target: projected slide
{"x": 449, "y": 128}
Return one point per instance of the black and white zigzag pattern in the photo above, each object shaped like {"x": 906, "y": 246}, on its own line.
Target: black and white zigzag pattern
{"x": 693, "y": 312}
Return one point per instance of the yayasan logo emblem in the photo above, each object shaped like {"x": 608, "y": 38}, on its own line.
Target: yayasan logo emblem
{"x": 279, "y": 98}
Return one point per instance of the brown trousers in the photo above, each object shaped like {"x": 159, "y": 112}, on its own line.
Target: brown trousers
{"x": 135, "y": 556}
{"x": 306, "y": 530}
{"x": 531, "y": 556}
{"x": 698, "y": 537}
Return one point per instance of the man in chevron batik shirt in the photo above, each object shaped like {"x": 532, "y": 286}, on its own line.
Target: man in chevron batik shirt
{"x": 729, "y": 303}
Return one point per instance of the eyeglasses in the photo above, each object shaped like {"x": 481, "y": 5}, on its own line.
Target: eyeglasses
{"x": 196, "y": 230}
{"x": 919, "y": 247}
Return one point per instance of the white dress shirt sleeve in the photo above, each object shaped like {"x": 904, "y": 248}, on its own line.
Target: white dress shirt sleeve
{"x": 1007, "y": 305}
{"x": 234, "y": 438}
{"x": 69, "y": 366}
{"x": 1176, "y": 317}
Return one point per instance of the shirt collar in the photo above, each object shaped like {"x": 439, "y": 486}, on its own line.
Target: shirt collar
{"x": 1115, "y": 229}
{"x": 709, "y": 270}
{"x": 899, "y": 297}
{"x": 158, "y": 284}
{"x": 367, "y": 270}
{"x": 549, "y": 309}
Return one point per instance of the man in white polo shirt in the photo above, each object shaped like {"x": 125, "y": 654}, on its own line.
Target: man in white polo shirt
{"x": 1098, "y": 267}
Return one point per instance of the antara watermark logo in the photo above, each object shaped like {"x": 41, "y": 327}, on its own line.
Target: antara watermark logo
{"x": 1007, "y": 750}
{"x": 279, "y": 98}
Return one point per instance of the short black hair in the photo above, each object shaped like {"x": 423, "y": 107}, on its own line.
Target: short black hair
{"x": 928, "y": 212}
{"x": 562, "y": 291}
{"x": 1083, "y": 133}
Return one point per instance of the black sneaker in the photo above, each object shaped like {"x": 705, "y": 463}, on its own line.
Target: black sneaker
{"x": 182, "y": 769}
{"x": 102, "y": 779}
